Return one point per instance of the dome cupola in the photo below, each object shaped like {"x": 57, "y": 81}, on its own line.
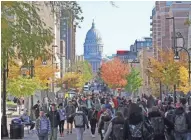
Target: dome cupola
{"x": 93, "y": 35}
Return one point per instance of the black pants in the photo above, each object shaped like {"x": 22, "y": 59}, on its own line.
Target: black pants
{"x": 32, "y": 125}
{"x": 61, "y": 126}
{"x": 93, "y": 125}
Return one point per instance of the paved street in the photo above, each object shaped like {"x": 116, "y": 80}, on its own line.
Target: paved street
{"x": 33, "y": 136}
{"x": 87, "y": 136}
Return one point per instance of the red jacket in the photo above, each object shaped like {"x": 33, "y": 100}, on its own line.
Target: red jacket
{"x": 115, "y": 103}
{"x": 99, "y": 114}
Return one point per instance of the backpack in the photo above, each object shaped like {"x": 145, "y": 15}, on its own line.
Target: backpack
{"x": 117, "y": 131}
{"x": 180, "y": 123}
{"x": 136, "y": 130}
{"x": 170, "y": 115}
{"x": 79, "y": 120}
{"x": 94, "y": 115}
{"x": 158, "y": 125}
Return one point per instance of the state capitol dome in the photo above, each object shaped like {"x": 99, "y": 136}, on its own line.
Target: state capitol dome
{"x": 93, "y": 35}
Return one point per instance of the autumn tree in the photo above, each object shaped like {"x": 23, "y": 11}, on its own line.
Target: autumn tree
{"x": 184, "y": 84}
{"x": 42, "y": 75}
{"x": 44, "y": 72}
{"x": 73, "y": 80}
{"x": 134, "y": 81}
{"x": 82, "y": 72}
{"x": 165, "y": 69}
{"x": 114, "y": 73}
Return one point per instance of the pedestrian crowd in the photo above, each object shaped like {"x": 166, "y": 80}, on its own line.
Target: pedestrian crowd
{"x": 115, "y": 118}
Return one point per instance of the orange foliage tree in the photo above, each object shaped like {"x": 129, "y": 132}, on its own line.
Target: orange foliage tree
{"x": 114, "y": 73}
{"x": 42, "y": 72}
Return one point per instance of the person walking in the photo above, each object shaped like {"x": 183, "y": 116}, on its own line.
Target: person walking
{"x": 135, "y": 126}
{"x": 36, "y": 109}
{"x": 104, "y": 122}
{"x": 54, "y": 120}
{"x": 62, "y": 114}
{"x": 116, "y": 128}
{"x": 159, "y": 124}
{"x": 70, "y": 109}
{"x": 43, "y": 126}
{"x": 92, "y": 116}
{"x": 180, "y": 123}
{"x": 80, "y": 120}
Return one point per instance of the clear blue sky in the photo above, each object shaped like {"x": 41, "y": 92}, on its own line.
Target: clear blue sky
{"x": 119, "y": 27}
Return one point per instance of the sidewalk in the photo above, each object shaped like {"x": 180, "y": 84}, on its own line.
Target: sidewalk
{"x": 33, "y": 136}
{"x": 87, "y": 136}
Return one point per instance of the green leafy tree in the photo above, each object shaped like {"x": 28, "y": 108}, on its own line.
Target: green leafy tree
{"x": 134, "y": 81}
{"x": 23, "y": 86}
{"x": 86, "y": 71}
{"x": 68, "y": 8}
{"x": 24, "y": 35}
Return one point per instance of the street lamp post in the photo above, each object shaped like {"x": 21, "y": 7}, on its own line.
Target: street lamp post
{"x": 174, "y": 47}
{"x": 176, "y": 57}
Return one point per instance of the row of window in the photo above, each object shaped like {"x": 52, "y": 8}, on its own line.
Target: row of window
{"x": 144, "y": 44}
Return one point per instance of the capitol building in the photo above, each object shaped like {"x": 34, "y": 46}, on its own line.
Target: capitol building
{"x": 93, "y": 48}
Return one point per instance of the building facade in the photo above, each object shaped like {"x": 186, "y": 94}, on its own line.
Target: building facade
{"x": 79, "y": 58}
{"x": 143, "y": 57}
{"x": 93, "y": 48}
{"x": 68, "y": 34}
{"x": 139, "y": 44}
{"x": 126, "y": 56}
{"x": 189, "y": 30}
{"x": 162, "y": 28}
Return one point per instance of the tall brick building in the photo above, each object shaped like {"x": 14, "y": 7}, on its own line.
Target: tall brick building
{"x": 162, "y": 28}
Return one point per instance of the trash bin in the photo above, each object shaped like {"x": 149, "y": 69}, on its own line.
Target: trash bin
{"x": 16, "y": 129}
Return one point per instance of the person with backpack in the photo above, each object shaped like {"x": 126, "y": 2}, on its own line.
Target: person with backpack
{"x": 89, "y": 103}
{"x": 92, "y": 117}
{"x": 180, "y": 123}
{"x": 169, "y": 115}
{"x": 135, "y": 128}
{"x": 116, "y": 128}
{"x": 70, "y": 109}
{"x": 80, "y": 120}
{"x": 62, "y": 114}
{"x": 103, "y": 109}
{"x": 97, "y": 104}
{"x": 103, "y": 123}
{"x": 43, "y": 127}
{"x": 158, "y": 123}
